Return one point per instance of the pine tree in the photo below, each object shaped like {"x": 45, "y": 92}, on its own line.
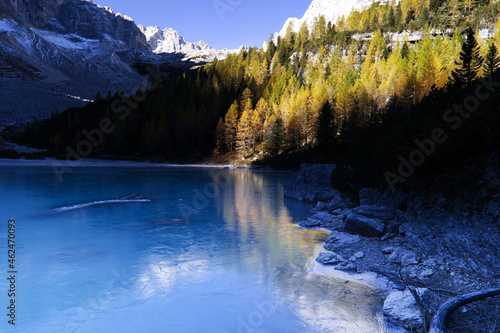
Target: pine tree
{"x": 325, "y": 127}
{"x": 470, "y": 61}
{"x": 273, "y": 135}
{"x": 424, "y": 16}
{"x": 392, "y": 19}
{"x": 492, "y": 61}
{"x": 405, "y": 50}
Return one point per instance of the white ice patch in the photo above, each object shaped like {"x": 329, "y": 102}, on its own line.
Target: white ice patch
{"x": 80, "y": 98}
{"x": 7, "y": 26}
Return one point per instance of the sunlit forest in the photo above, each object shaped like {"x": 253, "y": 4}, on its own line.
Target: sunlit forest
{"x": 338, "y": 90}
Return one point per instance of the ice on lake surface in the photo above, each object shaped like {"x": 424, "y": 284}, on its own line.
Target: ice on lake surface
{"x": 213, "y": 251}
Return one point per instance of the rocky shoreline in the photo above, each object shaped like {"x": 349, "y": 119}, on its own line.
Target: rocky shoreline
{"x": 431, "y": 248}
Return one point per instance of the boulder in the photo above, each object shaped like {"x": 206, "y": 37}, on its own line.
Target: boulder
{"x": 388, "y": 250}
{"x": 340, "y": 239}
{"x": 322, "y": 219}
{"x": 377, "y": 212}
{"x": 368, "y": 220}
{"x": 310, "y": 224}
{"x": 312, "y": 183}
{"x": 328, "y": 258}
{"x": 409, "y": 258}
{"x": 401, "y": 309}
{"x": 364, "y": 226}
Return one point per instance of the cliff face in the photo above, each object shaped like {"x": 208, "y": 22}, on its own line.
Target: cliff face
{"x": 56, "y": 54}
{"x": 80, "y": 17}
{"x": 169, "y": 41}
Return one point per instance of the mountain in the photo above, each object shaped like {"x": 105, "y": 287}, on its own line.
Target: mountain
{"x": 81, "y": 17}
{"x": 331, "y": 9}
{"x": 60, "y": 53}
{"x": 169, "y": 41}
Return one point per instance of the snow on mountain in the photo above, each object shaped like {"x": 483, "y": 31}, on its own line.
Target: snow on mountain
{"x": 331, "y": 9}
{"x": 169, "y": 41}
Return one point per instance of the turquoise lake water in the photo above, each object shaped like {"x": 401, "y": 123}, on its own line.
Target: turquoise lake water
{"x": 213, "y": 251}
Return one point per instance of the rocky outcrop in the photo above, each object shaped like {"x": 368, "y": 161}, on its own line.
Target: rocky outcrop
{"x": 169, "y": 41}
{"x": 448, "y": 246}
{"x": 83, "y": 18}
{"x": 312, "y": 183}
{"x": 403, "y": 310}
{"x": 369, "y": 221}
{"x": 56, "y": 54}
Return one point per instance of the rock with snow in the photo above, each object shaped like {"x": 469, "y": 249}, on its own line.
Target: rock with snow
{"x": 401, "y": 309}
{"x": 331, "y": 9}
{"x": 169, "y": 41}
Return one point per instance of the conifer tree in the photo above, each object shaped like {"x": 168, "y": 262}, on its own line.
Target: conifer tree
{"x": 231, "y": 126}
{"x": 391, "y": 19}
{"x": 219, "y": 137}
{"x": 492, "y": 61}
{"x": 244, "y": 136}
{"x": 258, "y": 119}
{"x": 470, "y": 61}
{"x": 325, "y": 127}
{"x": 273, "y": 135}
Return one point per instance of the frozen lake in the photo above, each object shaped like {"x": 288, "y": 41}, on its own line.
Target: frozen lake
{"x": 213, "y": 251}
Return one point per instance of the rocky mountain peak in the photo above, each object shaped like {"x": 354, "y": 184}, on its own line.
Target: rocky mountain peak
{"x": 169, "y": 41}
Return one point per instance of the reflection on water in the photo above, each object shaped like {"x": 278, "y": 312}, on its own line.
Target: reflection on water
{"x": 237, "y": 263}
{"x": 327, "y": 303}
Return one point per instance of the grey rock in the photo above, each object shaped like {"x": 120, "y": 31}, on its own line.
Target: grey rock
{"x": 337, "y": 212}
{"x": 426, "y": 273}
{"x": 409, "y": 258}
{"x": 395, "y": 256}
{"x": 321, "y": 206}
{"x": 369, "y": 220}
{"x": 430, "y": 263}
{"x": 376, "y": 212}
{"x": 322, "y": 219}
{"x": 310, "y": 224}
{"x": 401, "y": 308}
{"x": 340, "y": 239}
{"x": 312, "y": 183}
{"x": 388, "y": 236}
{"x": 328, "y": 258}
{"x": 347, "y": 267}
{"x": 388, "y": 250}
{"x": 365, "y": 226}
{"x": 323, "y": 216}
{"x": 359, "y": 255}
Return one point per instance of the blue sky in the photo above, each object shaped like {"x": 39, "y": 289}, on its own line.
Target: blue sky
{"x": 235, "y": 23}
